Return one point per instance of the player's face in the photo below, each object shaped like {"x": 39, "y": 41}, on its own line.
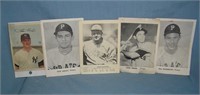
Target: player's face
{"x": 26, "y": 43}
{"x": 64, "y": 39}
{"x": 96, "y": 35}
{"x": 140, "y": 36}
{"x": 171, "y": 40}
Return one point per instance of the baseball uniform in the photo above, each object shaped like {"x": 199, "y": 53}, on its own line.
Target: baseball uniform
{"x": 27, "y": 60}
{"x": 105, "y": 53}
{"x": 177, "y": 60}
{"x": 56, "y": 60}
{"x": 146, "y": 58}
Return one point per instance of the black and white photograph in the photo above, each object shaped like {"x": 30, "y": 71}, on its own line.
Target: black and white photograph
{"x": 138, "y": 44}
{"x": 175, "y": 45}
{"x": 61, "y": 46}
{"x": 100, "y": 47}
{"x": 26, "y": 47}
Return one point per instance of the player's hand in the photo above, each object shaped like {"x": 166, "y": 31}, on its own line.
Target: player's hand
{"x": 122, "y": 43}
{"x": 146, "y": 56}
{"x": 133, "y": 54}
{"x": 126, "y": 45}
{"x": 16, "y": 68}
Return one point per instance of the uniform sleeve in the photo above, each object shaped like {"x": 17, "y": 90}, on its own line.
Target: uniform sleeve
{"x": 88, "y": 58}
{"x": 40, "y": 56}
{"x": 41, "y": 59}
{"x": 153, "y": 49}
{"x": 16, "y": 60}
{"x": 49, "y": 60}
{"x": 84, "y": 56}
{"x": 151, "y": 55}
{"x": 185, "y": 59}
{"x": 112, "y": 55}
{"x": 160, "y": 57}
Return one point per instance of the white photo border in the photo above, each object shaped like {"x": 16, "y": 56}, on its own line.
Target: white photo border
{"x": 26, "y": 73}
{"x": 59, "y": 72}
{"x": 146, "y": 70}
{"x": 178, "y": 71}
{"x": 86, "y": 69}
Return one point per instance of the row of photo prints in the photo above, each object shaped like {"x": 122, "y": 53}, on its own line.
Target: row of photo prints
{"x": 60, "y": 47}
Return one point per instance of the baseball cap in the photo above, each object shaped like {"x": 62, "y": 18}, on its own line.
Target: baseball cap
{"x": 96, "y": 27}
{"x": 63, "y": 27}
{"x": 139, "y": 28}
{"x": 25, "y": 36}
{"x": 172, "y": 28}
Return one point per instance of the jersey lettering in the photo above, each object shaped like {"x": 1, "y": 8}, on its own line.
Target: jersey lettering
{"x": 70, "y": 65}
{"x": 173, "y": 64}
{"x": 57, "y": 67}
{"x": 35, "y": 59}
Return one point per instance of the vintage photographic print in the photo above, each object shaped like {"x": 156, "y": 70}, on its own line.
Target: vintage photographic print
{"x": 100, "y": 47}
{"x": 61, "y": 46}
{"x": 26, "y": 47}
{"x": 138, "y": 44}
{"x": 175, "y": 45}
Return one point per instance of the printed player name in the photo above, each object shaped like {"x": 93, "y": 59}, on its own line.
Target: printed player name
{"x": 99, "y": 70}
{"x": 170, "y": 69}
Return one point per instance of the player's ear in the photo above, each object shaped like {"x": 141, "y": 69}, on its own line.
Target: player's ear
{"x": 101, "y": 33}
{"x": 134, "y": 37}
{"x": 55, "y": 36}
{"x": 179, "y": 37}
{"x": 72, "y": 37}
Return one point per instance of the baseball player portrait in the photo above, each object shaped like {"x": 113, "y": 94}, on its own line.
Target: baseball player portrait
{"x": 171, "y": 55}
{"x": 97, "y": 50}
{"x": 65, "y": 54}
{"x": 139, "y": 53}
{"x": 28, "y": 58}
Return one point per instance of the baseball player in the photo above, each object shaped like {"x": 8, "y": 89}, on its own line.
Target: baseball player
{"x": 98, "y": 51}
{"x": 171, "y": 55}
{"x": 65, "y": 55}
{"x": 27, "y": 58}
{"x": 139, "y": 54}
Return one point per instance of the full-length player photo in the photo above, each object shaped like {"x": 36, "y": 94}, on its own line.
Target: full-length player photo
{"x": 99, "y": 47}
{"x": 138, "y": 44}
{"x": 61, "y": 46}
{"x": 175, "y": 45}
{"x": 26, "y": 47}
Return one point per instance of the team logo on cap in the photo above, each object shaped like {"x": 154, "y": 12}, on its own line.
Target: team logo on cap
{"x": 172, "y": 27}
{"x": 61, "y": 26}
{"x": 25, "y": 35}
{"x": 139, "y": 26}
